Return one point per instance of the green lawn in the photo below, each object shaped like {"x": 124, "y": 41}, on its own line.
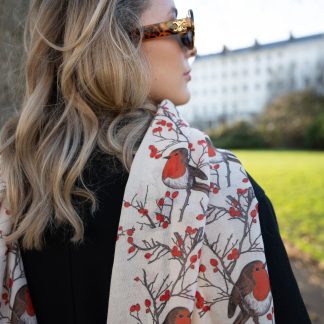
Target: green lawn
{"x": 294, "y": 181}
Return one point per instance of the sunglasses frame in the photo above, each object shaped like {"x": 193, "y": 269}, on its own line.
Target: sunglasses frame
{"x": 181, "y": 27}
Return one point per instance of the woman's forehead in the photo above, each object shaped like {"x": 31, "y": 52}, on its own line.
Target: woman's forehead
{"x": 158, "y": 11}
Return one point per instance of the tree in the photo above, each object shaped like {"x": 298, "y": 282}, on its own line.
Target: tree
{"x": 285, "y": 120}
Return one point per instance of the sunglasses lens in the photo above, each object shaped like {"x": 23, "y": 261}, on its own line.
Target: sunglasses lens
{"x": 187, "y": 40}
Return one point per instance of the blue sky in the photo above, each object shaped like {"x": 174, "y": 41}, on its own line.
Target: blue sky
{"x": 237, "y": 23}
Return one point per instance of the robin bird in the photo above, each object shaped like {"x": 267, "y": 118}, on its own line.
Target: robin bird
{"x": 23, "y": 310}
{"x": 251, "y": 293}
{"x": 178, "y": 315}
{"x": 178, "y": 174}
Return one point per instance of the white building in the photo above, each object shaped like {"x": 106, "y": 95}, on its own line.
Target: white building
{"x": 237, "y": 84}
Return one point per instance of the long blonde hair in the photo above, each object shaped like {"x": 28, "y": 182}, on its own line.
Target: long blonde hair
{"x": 87, "y": 85}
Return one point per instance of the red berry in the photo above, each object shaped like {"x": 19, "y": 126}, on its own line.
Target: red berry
{"x": 176, "y": 252}
{"x": 180, "y": 241}
{"x": 147, "y": 255}
{"x": 131, "y": 249}
{"x": 159, "y": 217}
{"x": 130, "y": 240}
{"x": 175, "y": 194}
{"x": 202, "y": 268}
{"x": 269, "y": 317}
{"x": 213, "y": 262}
{"x": 147, "y": 303}
{"x": 130, "y": 232}
{"x": 126, "y": 204}
{"x": 200, "y": 217}
{"x": 200, "y": 303}
{"x": 161, "y": 202}
{"x": 193, "y": 258}
{"x": 165, "y": 224}
{"x": 253, "y": 213}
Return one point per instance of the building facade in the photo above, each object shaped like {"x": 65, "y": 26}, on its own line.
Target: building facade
{"x": 238, "y": 84}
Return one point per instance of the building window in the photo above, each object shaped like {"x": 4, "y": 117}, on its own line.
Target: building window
{"x": 245, "y": 87}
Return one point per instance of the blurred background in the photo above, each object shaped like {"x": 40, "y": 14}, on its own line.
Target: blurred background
{"x": 257, "y": 89}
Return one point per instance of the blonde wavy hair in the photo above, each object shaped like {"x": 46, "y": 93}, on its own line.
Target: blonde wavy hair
{"x": 87, "y": 85}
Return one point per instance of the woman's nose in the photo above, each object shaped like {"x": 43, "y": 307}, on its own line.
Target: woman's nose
{"x": 192, "y": 52}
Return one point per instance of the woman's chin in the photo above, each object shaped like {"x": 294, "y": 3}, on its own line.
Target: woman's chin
{"x": 181, "y": 98}
{"x": 178, "y": 98}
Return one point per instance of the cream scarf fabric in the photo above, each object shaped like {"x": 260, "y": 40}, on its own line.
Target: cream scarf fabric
{"x": 189, "y": 247}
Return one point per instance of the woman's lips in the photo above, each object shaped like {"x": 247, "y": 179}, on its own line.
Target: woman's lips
{"x": 187, "y": 75}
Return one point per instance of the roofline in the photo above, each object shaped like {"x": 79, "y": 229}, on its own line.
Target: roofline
{"x": 258, "y": 46}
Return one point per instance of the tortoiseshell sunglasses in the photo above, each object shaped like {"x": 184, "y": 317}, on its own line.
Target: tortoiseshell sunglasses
{"x": 183, "y": 28}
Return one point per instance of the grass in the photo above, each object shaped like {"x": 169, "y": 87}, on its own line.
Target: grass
{"x": 294, "y": 181}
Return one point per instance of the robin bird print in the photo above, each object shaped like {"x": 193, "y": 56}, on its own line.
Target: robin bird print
{"x": 23, "y": 310}
{"x": 251, "y": 293}
{"x": 178, "y": 315}
{"x": 178, "y": 174}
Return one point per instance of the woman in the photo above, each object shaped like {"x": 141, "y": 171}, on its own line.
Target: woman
{"x": 94, "y": 87}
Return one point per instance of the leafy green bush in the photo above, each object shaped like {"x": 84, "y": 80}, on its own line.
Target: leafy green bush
{"x": 314, "y": 134}
{"x": 238, "y": 135}
{"x": 285, "y": 121}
